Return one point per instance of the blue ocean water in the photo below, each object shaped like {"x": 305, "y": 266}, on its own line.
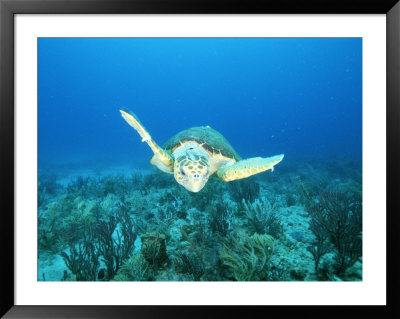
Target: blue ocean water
{"x": 297, "y": 96}
{"x": 301, "y": 97}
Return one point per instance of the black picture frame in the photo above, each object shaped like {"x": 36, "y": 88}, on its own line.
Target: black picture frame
{"x": 8, "y": 8}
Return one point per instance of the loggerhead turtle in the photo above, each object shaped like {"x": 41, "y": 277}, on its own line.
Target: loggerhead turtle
{"x": 195, "y": 154}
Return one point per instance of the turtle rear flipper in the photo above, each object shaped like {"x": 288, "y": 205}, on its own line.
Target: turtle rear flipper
{"x": 248, "y": 167}
{"x": 161, "y": 158}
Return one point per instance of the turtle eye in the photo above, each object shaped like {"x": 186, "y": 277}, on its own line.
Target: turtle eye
{"x": 181, "y": 170}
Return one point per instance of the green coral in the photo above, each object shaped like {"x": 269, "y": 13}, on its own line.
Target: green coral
{"x": 82, "y": 217}
{"x": 136, "y": 268}
{"x": 247, "y": 257}
{"x": 261, "y": 216}
{"x": 189, "y": 263}
{"x": 50, "y": 231}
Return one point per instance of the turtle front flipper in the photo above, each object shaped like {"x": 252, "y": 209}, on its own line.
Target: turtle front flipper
{"x": 248, "y": 167}
{"x": 161, "y": 158}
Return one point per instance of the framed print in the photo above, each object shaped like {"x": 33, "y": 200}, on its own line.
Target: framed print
{"x": 167, "y": 154}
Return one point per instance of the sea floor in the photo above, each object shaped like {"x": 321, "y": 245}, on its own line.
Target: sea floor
{"x": 127, "y": 224}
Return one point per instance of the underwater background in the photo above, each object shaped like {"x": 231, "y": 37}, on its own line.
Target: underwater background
{"x": 105, "y": 213}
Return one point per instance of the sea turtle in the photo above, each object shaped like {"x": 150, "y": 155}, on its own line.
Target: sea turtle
{"x": 195, "y": 154}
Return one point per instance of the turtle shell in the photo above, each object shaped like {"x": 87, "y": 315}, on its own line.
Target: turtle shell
{"x": 209, "y": 139}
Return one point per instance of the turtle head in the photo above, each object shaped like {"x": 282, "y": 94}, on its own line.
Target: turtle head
{"x": 191, "y": 170}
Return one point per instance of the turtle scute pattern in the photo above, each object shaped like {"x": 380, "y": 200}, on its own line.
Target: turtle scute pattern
{"x": 211, "y": 140}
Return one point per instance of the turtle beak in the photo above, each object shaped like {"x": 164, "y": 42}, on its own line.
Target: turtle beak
{"x": 192, "y": 185}
{"x": 196, "y": 184}
{"x": 195, "y": 187}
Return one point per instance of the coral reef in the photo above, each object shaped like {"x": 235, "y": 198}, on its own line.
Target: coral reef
{"x": 244, "y": 189}
{"x": 136, "y": 268}
{"x": 247, "y": 256}
{"x": 115, "y": 245}
{"x": 189, "y": 264}
{"x": 221, "y": 218}
{"x": 262, "y": 218}
{"x": 301, "y": 224}
{"x": 154, "y": 249}
{"x": 83, "y": 260}
{"x": 338, "y": 217}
